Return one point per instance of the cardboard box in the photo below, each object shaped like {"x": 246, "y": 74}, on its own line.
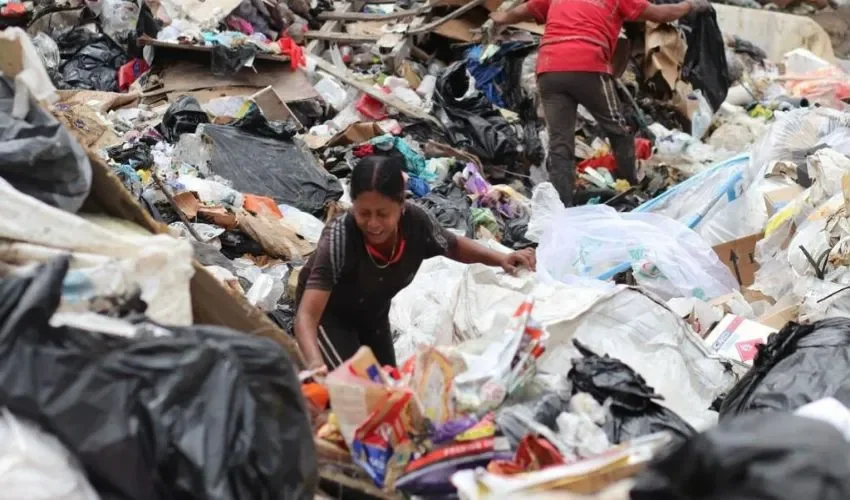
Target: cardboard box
{"x": 778, "y": 318}
{"x": 738, "y": 338}
{"x": 739, "y": 257}
{"x": 776, "y": 199}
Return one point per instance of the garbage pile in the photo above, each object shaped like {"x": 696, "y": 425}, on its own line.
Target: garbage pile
{"x": 160, "y": 205}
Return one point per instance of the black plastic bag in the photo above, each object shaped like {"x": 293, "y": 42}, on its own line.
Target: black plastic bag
{"x": 634, "y": 410}
{"x": 513, "y": 233}
{"x": 90, "y": 61}
{"x": 255, "y": 122}
{"x": 450, "y": 205}
{"x": 705, "y": 64}
{"x": 206, "y": 413}
{"x": 775, "y": 457}
{"x": 139, "y": 155}
{"x": 797, "y": 365}
{"x": 286, "y": 171}
{"x": 472, "y": 123}
{"x": 40, "y": 158}
{"x": 182, "y": 117}
{"x": 226, "y": 61}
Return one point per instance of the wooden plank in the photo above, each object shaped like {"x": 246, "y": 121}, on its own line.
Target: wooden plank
{"x": 328, "y": 36}
{"x": 146, "y": 40}
{"x": 315, "y": 46}
{"x": 402, "y": 51}
{"x": 369, "y": 16}
{"x": 371, "y": 91}
{"x": 427, "y": 28}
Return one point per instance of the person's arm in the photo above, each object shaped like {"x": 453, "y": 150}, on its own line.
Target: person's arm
{"x": 307, "y": 318}
{"x": 467, "y": 251}
{"x": 672, "y": 12}
{"x": 513, "y": 16}
{"x": 665, "y": 13}
{"x": 325, "y": 271}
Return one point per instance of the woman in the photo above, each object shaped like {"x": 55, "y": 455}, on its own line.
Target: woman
{"x": 364, "y": 258}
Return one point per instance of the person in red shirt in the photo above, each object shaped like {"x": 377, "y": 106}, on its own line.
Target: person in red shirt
{"x": 574, "y": 67}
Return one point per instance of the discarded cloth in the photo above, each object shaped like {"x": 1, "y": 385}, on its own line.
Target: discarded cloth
{"x": 490, "y": 75}
{"x": 450, "y": 206}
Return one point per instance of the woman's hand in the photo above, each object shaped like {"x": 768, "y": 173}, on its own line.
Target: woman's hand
{"x": 524, "y": 258}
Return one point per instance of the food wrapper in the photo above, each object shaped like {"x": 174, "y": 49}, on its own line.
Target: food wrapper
{"x": 431, "y": 474}
{"x": 534, "y": 453}
{"x": 382, "y": 445}
{"x": 485, "y": 428}
{"x": 505, "y": 365}
{"x": 433, "y": 381}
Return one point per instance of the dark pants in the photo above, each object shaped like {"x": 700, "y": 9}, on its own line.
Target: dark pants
{"x": 339, "y": 340}
{"x": 561, "y": 93}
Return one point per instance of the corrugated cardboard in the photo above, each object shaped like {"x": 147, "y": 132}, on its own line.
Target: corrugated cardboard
{"x": 776, "y": 199}
{"x": 739, "y": 257}
{"x": 778, "y": 318}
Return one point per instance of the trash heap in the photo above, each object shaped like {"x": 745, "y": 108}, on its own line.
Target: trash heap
{"x": 197, "y": 150}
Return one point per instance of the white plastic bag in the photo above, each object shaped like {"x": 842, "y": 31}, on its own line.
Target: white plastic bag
{"x": 545, "y": 205}
{"x": 35, "y": 466}
{"x": 666, "y": 257}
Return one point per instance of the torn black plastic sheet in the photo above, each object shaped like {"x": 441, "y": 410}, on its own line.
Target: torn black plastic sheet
{"x": 470, "y": 120}
{"x": 776, "y": 457}
{"x": 40, "y": 157}
{"x": 207, "y": 412}
{"x": 634, "y": 409}
{"x": 285, "y": 171}
{"x": 798, "y": 365}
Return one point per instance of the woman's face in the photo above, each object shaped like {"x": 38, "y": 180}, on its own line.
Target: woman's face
{"x": 377, "y": 216}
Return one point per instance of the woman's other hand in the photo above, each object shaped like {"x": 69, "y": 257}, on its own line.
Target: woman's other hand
{"x": 524, "y": 258}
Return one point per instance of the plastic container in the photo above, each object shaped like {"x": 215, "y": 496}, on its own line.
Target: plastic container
{"x": 332, "y": 92}
{"x": 371, "y": 108}
{"x": 701, "y": 117}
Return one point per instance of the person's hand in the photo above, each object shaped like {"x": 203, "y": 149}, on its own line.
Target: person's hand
{"x": 698, "y": 6}
{"x": 499, "y": 18}
{"x": 524, "y": 258}
{"x": 315, "y": 369}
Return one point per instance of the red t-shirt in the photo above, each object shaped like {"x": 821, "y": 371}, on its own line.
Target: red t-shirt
{"x": 581, "y": 35}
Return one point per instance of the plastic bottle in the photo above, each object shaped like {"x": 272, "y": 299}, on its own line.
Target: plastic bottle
{"x": 701, "y": 117}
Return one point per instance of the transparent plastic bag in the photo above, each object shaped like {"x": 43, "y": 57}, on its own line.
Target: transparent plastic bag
{"x": 119, "y": 18}
{"x": 666, "y": 257}
{"x": 48, "y": 50}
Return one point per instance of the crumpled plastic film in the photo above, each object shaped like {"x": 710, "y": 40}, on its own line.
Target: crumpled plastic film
{"x": 36, "y": 466}
{"x": 622, "y": 323}
{"x": 666, "y": 257}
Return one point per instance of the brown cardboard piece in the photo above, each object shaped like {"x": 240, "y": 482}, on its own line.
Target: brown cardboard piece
{"x": 776, "y": 199}
{"x": 778, "y": 317}
{"x": 187, "y": 76}
{"x": 739, "y": 257}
